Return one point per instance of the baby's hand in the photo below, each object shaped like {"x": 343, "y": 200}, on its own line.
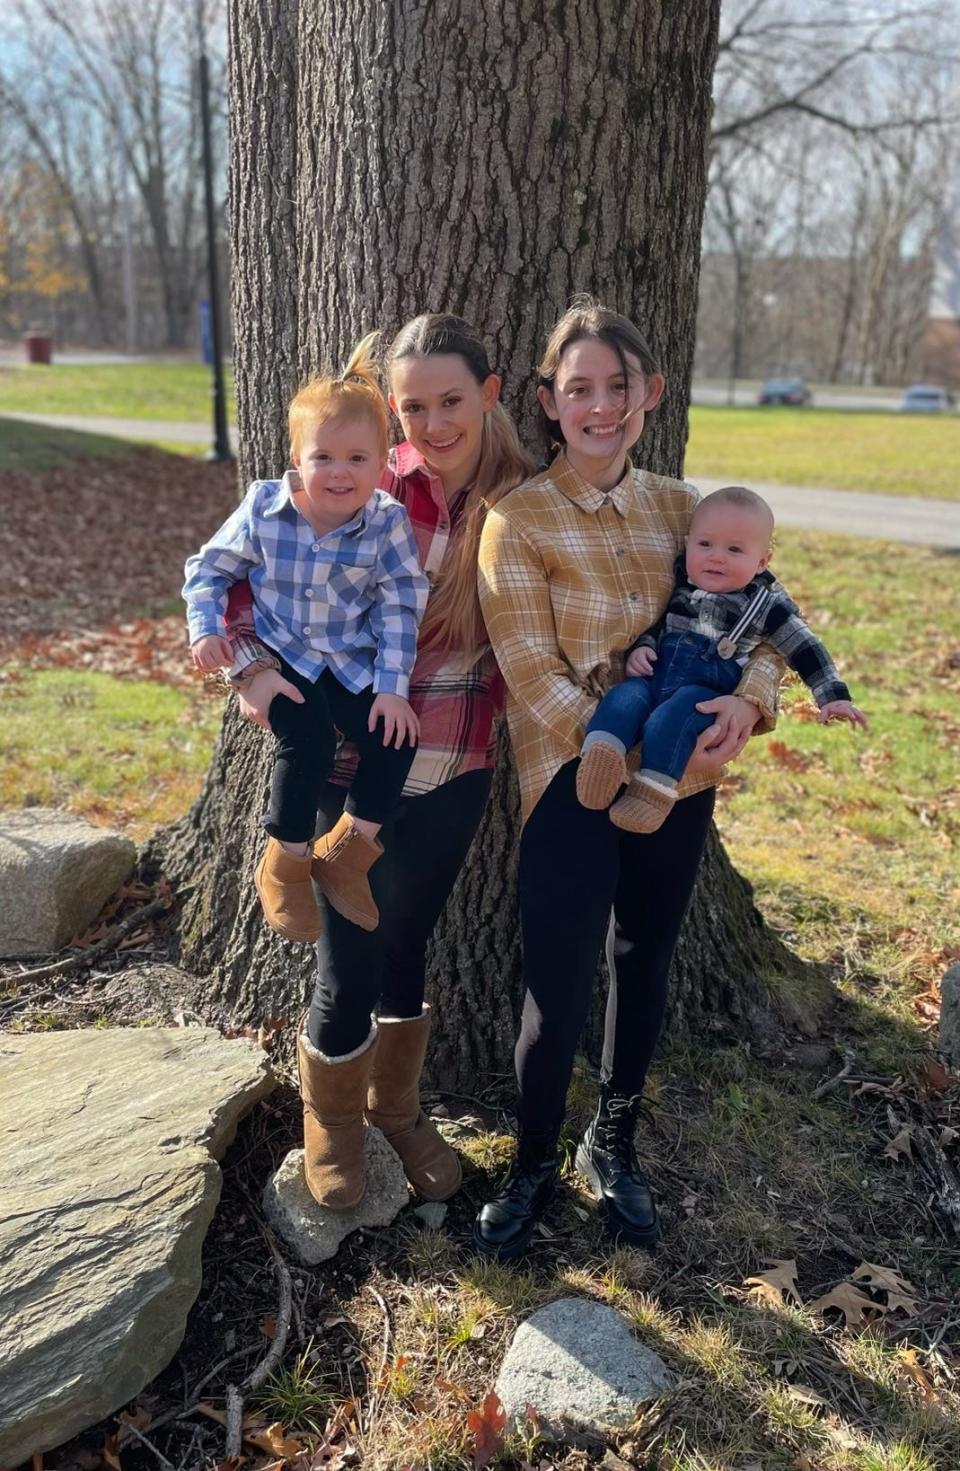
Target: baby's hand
{"x": 841, "y": 710}
{"x": 398, "y": 720}
{"x": 211, "y": 652}
{"x": 640, "y": 661}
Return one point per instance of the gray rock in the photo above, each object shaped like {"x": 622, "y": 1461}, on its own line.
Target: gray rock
{"x": 432, "y": 1213}
{"x": 580, "y": 1367}
{"x": 56, "y": 873}
{"x": 108, "y": 1182}
{"x": 314, "y": 1232}
{"x": 950, "y": 1015}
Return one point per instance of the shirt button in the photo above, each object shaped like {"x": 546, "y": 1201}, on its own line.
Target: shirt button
{"x": 316, "y": 546}
{"x": 306, "y": 628}
{"x": 634, "y": 597}
{"x": 308, "y": 593}
{"x": 620, "y": 551}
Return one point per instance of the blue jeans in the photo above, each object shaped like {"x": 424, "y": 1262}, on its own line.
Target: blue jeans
{"x": 662, "y": 707}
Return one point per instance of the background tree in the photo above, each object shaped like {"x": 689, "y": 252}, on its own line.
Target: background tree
{"x": 491, "y": 161}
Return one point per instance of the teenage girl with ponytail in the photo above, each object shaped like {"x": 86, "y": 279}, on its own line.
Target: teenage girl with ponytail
{"x": 459, "y": 456}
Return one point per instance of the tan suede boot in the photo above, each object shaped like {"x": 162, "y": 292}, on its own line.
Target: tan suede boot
{"x": 643, "y": 807}
{"x": 334, "y": 1091}
{"x": 600, "y": 775}
{"x": 286, "y": 893}
{"x": 393, "y": 1105}
{"x": 341, "y": 861}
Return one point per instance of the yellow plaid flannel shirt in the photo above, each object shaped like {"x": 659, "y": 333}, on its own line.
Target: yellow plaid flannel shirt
{"x": 569, "y": 578}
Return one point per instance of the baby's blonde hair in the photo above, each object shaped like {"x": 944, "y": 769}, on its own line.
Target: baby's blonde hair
{"x": 354, "y": 393}
{"x": 736, "y": 495}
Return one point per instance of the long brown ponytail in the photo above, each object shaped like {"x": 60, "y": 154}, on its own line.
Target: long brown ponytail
{"x": 453, "y": 617}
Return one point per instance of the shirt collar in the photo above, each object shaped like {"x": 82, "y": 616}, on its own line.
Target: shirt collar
{"x": 572, "y": 484}
{"x": 284, "y": 498}
{"x": 409, "y": 461}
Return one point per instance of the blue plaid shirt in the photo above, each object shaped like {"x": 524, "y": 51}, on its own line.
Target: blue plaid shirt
{"x": 349, "y": 600}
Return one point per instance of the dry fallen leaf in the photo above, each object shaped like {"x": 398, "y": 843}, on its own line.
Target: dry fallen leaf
{"x": 913, "y": 1368}
{"x": 268, "y": 1326}
{"x": 275, "y": 1441}
{"x": 778, "y": 1285}
{"x": 851, "y": 1302}
{"x": 900, "y": 1292}
{"x": 899, "y": 1146}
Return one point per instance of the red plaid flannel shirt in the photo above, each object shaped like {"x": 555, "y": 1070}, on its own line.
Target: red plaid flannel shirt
{"x": 456, "y": 702}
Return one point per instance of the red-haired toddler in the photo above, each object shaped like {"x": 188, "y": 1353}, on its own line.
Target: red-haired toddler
{"x": 338, "y": 595}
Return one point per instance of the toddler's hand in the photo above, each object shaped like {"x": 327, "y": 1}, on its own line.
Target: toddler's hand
{"x": 640, "y": 661}
{"x": 257, "y": 695}
{"x": 399, "y": 722}
{"x": 211, "y": 652}
{"x": 841, "y": 710}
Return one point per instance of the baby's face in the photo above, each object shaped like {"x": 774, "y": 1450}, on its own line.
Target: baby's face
{"x": 726, "y": 546}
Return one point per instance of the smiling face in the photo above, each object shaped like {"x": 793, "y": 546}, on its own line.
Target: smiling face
{"x": 340, "y": 463}
{"x": 727, "y": 545}
{"x": 441, "y": 408}
{"x": 600, "y": 411}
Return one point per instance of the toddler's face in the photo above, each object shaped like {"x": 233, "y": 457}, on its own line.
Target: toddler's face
{"x": 726, "y": 546}
{"x": 340, "y": 463}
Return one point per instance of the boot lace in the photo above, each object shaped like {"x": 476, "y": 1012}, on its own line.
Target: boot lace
{"x": 615, "y": 1127}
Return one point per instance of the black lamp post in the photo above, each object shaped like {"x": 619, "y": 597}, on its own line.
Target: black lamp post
{"x": 220, "y": 450}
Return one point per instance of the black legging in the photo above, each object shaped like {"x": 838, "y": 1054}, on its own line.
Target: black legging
{"x": 575, "y": 865}
{"x": 424, "y": 849}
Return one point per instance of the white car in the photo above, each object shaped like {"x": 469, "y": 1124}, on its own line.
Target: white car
{"x": 927, "y": 398}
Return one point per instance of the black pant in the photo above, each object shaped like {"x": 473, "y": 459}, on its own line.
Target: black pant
{"x": 575, "y": 865}
{"x": 306, "y": 744}
{"x": 424, "y": 848}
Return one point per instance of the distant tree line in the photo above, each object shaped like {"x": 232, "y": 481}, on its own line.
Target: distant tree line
{"x": 834, "y": 147}
{"x": 101, "y": 187}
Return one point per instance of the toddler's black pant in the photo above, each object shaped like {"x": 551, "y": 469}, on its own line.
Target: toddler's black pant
{"x": 359, "y": 970}
{"x": 306, "y": 743}
{"x": 574, "y": 867}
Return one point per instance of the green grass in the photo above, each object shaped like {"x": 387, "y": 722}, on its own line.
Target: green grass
{"x": 35, "y": 447}
{"x": 852, "y": 839}
{"x": 900, "y": 454}
{"x": 128, "y": 752}
{"x": 175, "y": 391}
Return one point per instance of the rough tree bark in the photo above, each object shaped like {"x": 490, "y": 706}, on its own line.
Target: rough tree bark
{"x": 491, "y": 160}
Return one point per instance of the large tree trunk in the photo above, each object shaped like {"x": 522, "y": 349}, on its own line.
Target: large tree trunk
{"x": 490, "y": 160}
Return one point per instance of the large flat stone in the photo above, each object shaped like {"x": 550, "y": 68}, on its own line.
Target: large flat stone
{"x": 314, "y": 1232}
{"x": 56, "y": 873}
{"x": 108, "y": 1182}
{"x": 580, "y": 1367}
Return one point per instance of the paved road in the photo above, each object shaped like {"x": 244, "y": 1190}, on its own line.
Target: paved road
{"x": 884, "y": 400}
{"x": 175, "y": 432}
{"x": 856, "y": 513}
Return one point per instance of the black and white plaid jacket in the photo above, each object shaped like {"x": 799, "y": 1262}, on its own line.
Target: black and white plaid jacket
{"x": 761, "y": 612}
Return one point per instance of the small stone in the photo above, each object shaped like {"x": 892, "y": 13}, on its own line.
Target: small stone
{"x": 578, "y": 1365}
{"x": 813, "y": 1057}
{"x": 950, "y": 1015}
{"x": 433, "y": 1214}
{"x": 314, "y": 1232}
{"x": 56, "y": 873}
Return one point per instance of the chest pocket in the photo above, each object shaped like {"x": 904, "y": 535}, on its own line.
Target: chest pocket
{"x": 348, "y": 579}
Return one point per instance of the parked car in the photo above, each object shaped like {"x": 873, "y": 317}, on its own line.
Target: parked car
{"x": 784, "y": 391}
{"x": 927, "y": 398}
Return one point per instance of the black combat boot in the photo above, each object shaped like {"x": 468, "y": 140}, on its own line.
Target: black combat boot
{"x": 607, "y": 1158}
{"x": 505, "y": 1224}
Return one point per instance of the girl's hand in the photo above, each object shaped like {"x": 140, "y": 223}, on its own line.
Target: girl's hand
{"x": 640, "y": 661}
{"x": 399, "y": 722}
{"x": 727, "y": 737}
{"x": 211, "y": 652}
{"x": 256, "y": 696}
{"x": 842, "y": 710}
